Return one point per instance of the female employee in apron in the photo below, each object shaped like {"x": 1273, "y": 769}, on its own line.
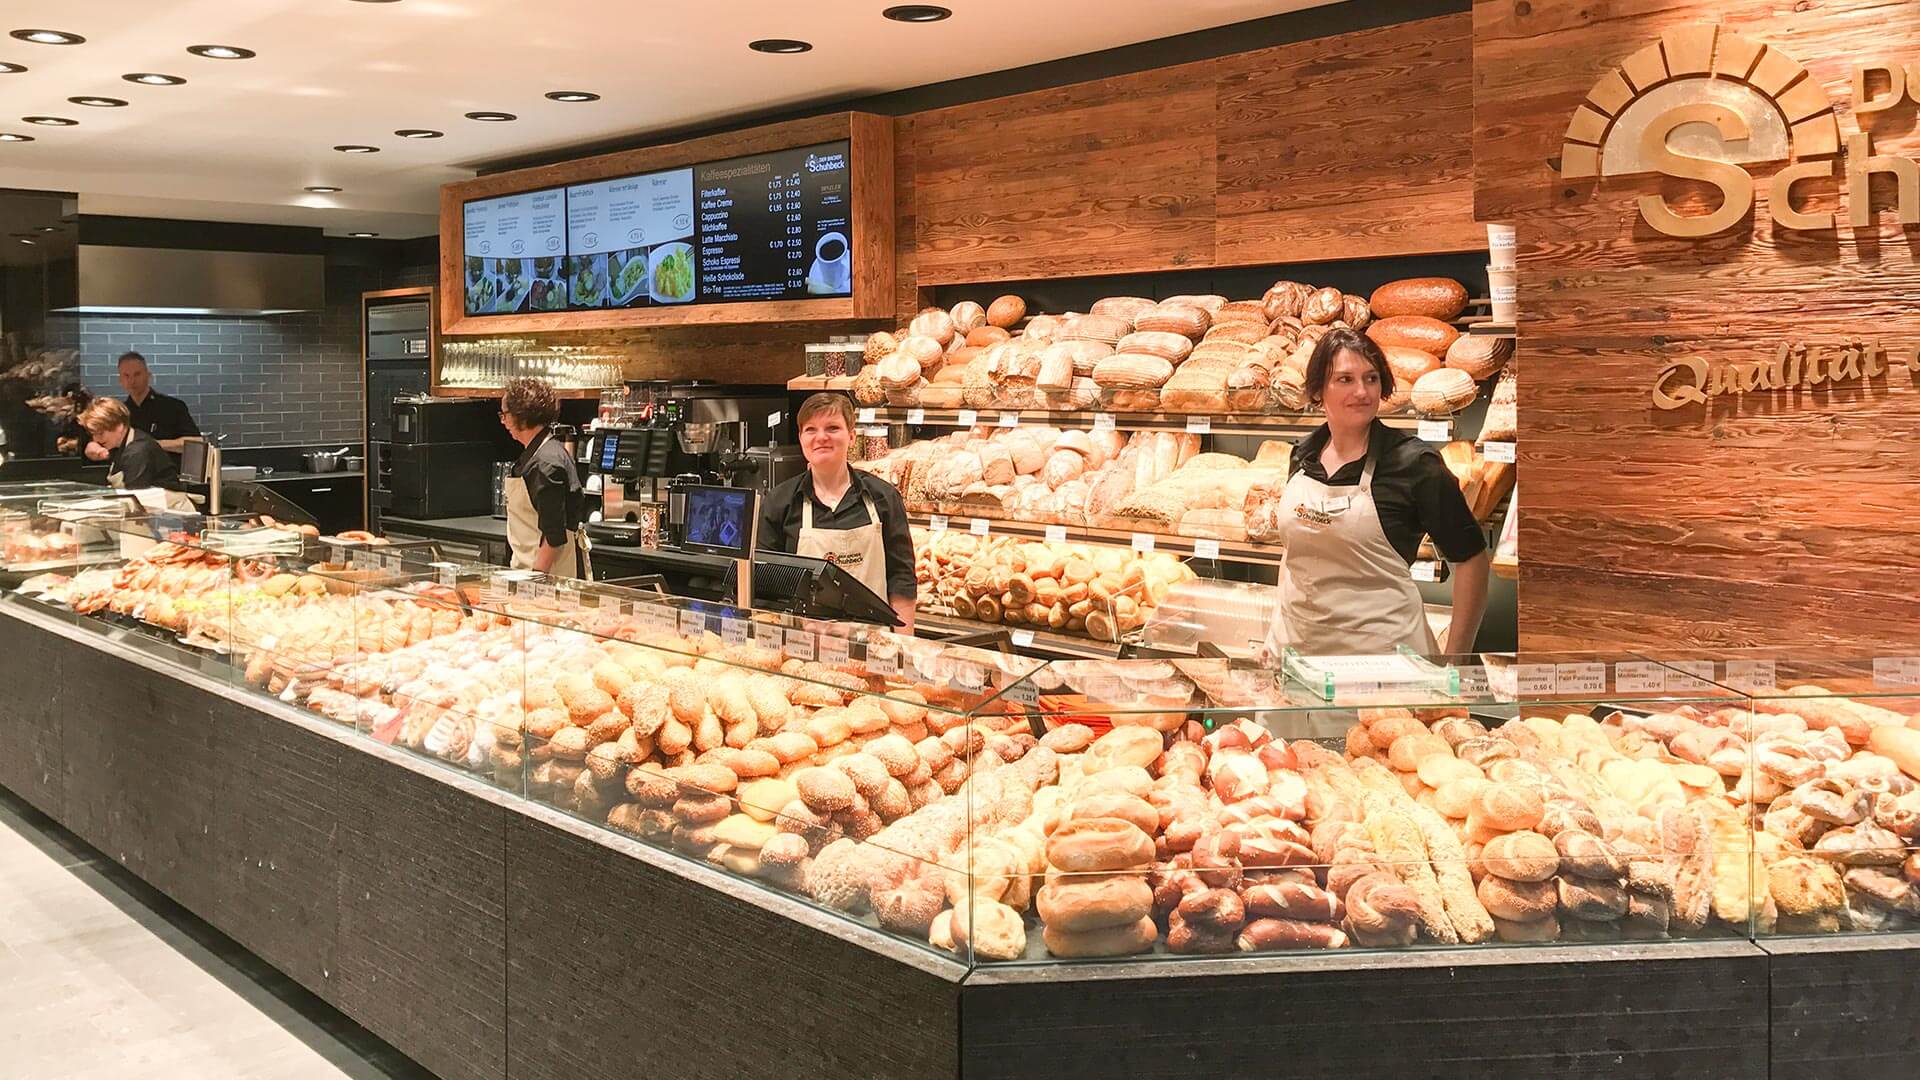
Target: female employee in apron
{"x": 1360, "y": 497}
{"x": 544, "y": 495}
{"x": 853, "y": 519}
{"x": 137, "y": 460}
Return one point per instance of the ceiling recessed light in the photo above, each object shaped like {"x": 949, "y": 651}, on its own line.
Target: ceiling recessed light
{"x": 98, "y": 102}
{"x": 48, "y": 37}
{"x": 356, "y": 148}
{"x": 419, "y": 133}
{"x": 323, "y": 189}
{"x": 8, "y": 136}
{"x": 222, "y": 52}
{"x": 149, "y": 78}
{"x": 28, "y": 240}
{"x": 492, "y": 117}
{"x": 11, "y": 69}
{"x": 363, "y": 235}
{"x": 51, "y": 121}
{"x": 782, "y": 46}
{"x": 572, "y": 95}
{"x": 917, "y": 13}
{"x": 48, "y": 228}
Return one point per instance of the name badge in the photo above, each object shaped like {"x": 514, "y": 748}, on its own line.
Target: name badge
{"x": 1338, "y": 505}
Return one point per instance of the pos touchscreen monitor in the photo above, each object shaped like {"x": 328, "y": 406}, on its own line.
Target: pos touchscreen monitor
{"x": 723, "y": 521}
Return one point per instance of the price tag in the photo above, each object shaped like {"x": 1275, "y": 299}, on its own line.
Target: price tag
{"x": 799, "y": 643}
{"x": 883, "y": 662}
{"x": 1580, "y": 678}
{"x": 1751, "y": 675}
{"x": 1499, "y": 451}
{"x": 833, "y": 649}
{"x": 1199, "y": 425}
{"x": 979, "y": 526}
{"x": 1896, "y": 671}
{"x": 1010, "y": 419}
{"x": 1022, "y": 638}
{"x": 733, "y": 631}
{"x": 1206, "y": 549}
{"x": 1143, "y": 543}
{"x": 1425, "y": 570}
{"x": 567, "y": 592}
{"x": 587, "y": 599}
{"x": 1056, "y": 534}
{"x": 968, "y": 677}
{"x": 661, "y": 619}
{"x": 773, "y": 420}
{"x": 1103, "y": 421}
{"x": 1022, "y": 693}
{"x": 1692, "y": 676}
{"x": 766, "y": 635}
{"x": 448, "y": 574}
{"x": 968, "y": 417}
{"x": 542, "y": 590}
{"x": 1473, "y": 680}
{"x": 1534, "y": 680}
{"x": 1639, "y": 677}
{"x": 868, "y": 415}
{"x": 1436, "y": 430}
{"x": 916, "y": 416}
{"x": 692, "y": 623}
{"x": 938, "y": 523}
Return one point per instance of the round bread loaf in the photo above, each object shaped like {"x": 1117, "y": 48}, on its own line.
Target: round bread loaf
{"x": 1412, "y": 332}
{"x": 991, "y": 929}
{"x": 1323, "y": 307}
{"x": 1285, "y": 299}
{"x": 1112, "y": 941}
{"x": 1006, "y": 311}
{"x": 1408, "y": 365}
{"x": 1517, "y": 901}
{"x": 935, "y": 324}
{"x": 1443, "y": 392}
{"x": 1585, "y": 855}
{"x": 1432, "y": 297}
{"x": 1521, "y": 856}
{"x": 1077, "y": 904}
{"x": 1479, "y": 355}
{"x": 1589, "y": 899}
{"x": 1521, "y": 933}
{"x": 1358, "y": 313}
{"x": 1508, "y": 807}
{"x": 967, "y": 316}
{"x": 1125, "y": 745}
{"x": 1099, "y": 845}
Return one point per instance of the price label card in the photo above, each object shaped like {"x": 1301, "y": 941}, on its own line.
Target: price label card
{"x": 1896, "y": 671}
{"x": 1200, "y": 425}
{"x": 883, "y": 662}
{"x": 1056, "y": 534}
{"x": 968, "y": 677}
{"x": 868, "y": 415}
{"x": 979, "y": 526}
{"x": 968, "y": 417}
{"x": 1436, "y": 430}
{"x": 799, "y": 643}
{"x": 1103, "y": 422}
{"x": 542, "y": 590}
{"x": 1473, "y": 680}
{"x": 448, "y": 573}
{"x": 1499, "y": 451}
{"x": 1009, "y": 419}
{"x": 1143, "y": 543}
{"x": 767, "y": 635}
{"x": 833, "y": 649}
{"x": 1206, "y": 549}
{"x": 773, "y": 420}
{"x": 1580, "y": 678}
{"x": 567, "y": 593}
{"x": 1022, "y": 693}
{"x": 1022, "y": 637}
{"x": 1691, "y": 677}
{"x": 1534, "y": 680}
{"x": 938, "y": 523}
{"x": 916, "y": 416}
{"x": 692, "y": 623}
{"x": 1425, "y": 570}
{"x": 1751, "y": 675}
{"x": 1639, "y": 677}
{"x": 734, "y": 631}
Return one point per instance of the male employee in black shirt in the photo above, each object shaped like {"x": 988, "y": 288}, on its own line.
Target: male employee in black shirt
{"x": 165, "y": 418}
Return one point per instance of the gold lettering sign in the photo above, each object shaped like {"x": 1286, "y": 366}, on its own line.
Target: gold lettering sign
{"x": 1793, "y": 366}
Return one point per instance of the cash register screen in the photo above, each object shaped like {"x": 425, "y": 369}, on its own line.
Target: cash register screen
{"x": 609, "y": 450}
{"x": 193, "y": 461}
{"x": 721, "y": 521}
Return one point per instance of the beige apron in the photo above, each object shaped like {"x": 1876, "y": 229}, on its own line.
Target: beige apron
{"x": 1344, "y": 590}
{"x": 176, "y": 501}
{"x": 860, "y": 551}
{"x": 523, "y": 536}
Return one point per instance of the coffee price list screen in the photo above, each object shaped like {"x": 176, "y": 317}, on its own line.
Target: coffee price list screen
{"x": 776, "y": 226}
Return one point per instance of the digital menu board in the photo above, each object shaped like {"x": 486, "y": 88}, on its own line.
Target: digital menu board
{"x": 516, "y": 248}
{"x": 776, "y": 226}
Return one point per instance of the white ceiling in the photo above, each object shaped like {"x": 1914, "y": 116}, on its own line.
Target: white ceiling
{"x": 241, "y": 139}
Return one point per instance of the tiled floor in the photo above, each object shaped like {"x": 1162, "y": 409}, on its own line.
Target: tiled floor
{"x": 101, "y": 978}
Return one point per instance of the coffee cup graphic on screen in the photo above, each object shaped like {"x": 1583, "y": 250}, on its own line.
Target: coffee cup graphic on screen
{"x": 832, "y": 271}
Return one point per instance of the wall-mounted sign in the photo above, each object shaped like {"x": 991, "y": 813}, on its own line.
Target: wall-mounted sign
{"x": 1793, "y": 366}
{"x": 1703, "y": 104}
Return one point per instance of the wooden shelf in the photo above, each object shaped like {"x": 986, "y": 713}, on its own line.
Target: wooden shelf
{"x": 1492, "y": 329}
{"x": 1269, "y": 425}
{"x": 935, "y": 625}
{"x": 1237, "y": 551}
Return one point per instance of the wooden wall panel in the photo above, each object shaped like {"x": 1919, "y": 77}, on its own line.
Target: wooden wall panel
{"x": 1784, "y": 519}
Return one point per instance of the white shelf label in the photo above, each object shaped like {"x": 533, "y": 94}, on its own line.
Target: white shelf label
{"x": 1691, "y": 676}
{"x": 1022, "y": 638}
{"x": 1473, "y": 680}
{"x": 1143, "y": 543}
{"x": 1533, "y": 680}
{"x": 1022, "y": 693}
{"x": 881, "y": 662}
{"x": 1425, "y": 570}
{"x": 833, "y": 649}
{"x": 968, "y": 417}
{"x": 1206, "y": 549}
{"x": 1896, "y": 671}
{"x": 1580, "y": 678}
{"x": 1639, "y": 677}
{"x": 567, "y": 592}
{"x": 692, "y": 623}
{"x": 868, "y": 415}
{"x": 773, "y": 420}
{"x": 1010, "y": 419}
{"x": 799, "y": 643}
{"x": 979, "y": 526}
{"x": 1056, "y": 534}
{"x": 938, "y": 523}
{"x": 766, "y": 635}
{"x": 1200, "y": 425}
{"x": 1751, "y": 675}
{"x": 448, "y": 574}
{"x": 916, "y": 416}
{"x": 734, "y": 631}
{"x": 1436, "y": 430}
{"x": 1103, "y": 421}
{"x": 1499, "y": 451}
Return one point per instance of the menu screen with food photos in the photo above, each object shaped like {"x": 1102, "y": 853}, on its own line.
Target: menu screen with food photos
{"x": 776, "y": 226}
{"x": 629, "y": 241}
{"x": 516, "y": 248}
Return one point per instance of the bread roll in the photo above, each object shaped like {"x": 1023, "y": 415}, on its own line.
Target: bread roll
{"x": 1413, "y": 332}
{"x": 1099, "y": 845}
{"x": 1079, "y": 903}
{"x": 1006, "y": 311}
{"x": 1323, "y": 307}
{"x": 1112, "y": 941}
{"x": 967, "y": 316}
{"x": 1433, "y": 297}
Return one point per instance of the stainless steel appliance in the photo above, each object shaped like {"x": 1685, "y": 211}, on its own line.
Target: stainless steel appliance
{"x": 434, "y": 480}
{"x": 704, "y": 432}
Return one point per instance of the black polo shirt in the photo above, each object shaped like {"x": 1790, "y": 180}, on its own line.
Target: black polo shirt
{"x": 552, "y": 486}
{"x": 782, "y": 513}
{"x": 162, "y": 417}
{"x": 1413, "y": 490}
{"x": 142, "y": 463}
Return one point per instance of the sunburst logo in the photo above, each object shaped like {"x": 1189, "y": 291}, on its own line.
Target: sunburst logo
{"x": 1703, "y": 104}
